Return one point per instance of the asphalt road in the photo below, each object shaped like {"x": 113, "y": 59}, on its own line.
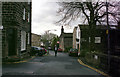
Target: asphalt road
{"x": 49, "y": 65}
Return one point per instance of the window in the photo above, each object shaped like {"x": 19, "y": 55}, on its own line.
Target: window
{"x": 28, "y": 17}
{"x": 78, "y": 33}
{"x": 24, "y": 14}
{"x": 28, "y": 38}
{"x": 97, "y": 39}
{"x": 23, "y": 40}
{"x": 29, "y": 2}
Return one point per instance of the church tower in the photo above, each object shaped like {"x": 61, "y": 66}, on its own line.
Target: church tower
{"x": 62, "y": 30}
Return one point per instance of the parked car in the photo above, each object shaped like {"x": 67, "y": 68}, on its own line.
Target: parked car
{"x": 37, "y": 51}
{"x": 73, "y": 52}
{"x": 41, "y": 52}
{"x": 49, "y": 48}
{"x": 60, "y": 50}
{"x": 33, "y": 50}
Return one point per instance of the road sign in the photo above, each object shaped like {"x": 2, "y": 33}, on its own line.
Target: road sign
{"x": 107, "y": 31}
{"x": 57, "y": 41}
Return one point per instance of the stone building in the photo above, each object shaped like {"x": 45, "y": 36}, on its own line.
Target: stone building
{"x": 65, "y": 40}
{"x": 16, "y": 32}
{"x": 36, "y": 40}
{"x": 76, "y": 38}
{"x": 106, "y": 52}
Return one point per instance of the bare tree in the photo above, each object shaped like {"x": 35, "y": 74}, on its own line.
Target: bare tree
{"x": 94, "y": 12}
{"x": 113, "y": 13}
{"x": 72, "y": 10}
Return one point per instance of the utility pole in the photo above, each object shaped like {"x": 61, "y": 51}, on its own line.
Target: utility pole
{"x": 108, "y": 36}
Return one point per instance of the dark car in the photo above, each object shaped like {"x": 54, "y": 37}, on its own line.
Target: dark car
{"x": 41, "y": 51}
{"x": 73, "y": 52}
{"x": 37, "y": 51}
{"x": 60, "y": 50}
{"x": 49, "y": 48}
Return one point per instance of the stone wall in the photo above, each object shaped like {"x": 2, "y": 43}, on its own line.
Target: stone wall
{"x": 36, "y": 40}
{"x": 74, "y": 37}
{"x": 100, "y": 58}
{"x": 61, "y": 43}
{"x": 66, "y": 41}
{"x": 101, "y": 62}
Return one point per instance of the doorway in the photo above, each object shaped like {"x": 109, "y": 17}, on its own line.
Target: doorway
{"x": 12, "y": 44}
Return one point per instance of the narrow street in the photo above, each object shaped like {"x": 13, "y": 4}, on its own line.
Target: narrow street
{"x": 49, "y": 65}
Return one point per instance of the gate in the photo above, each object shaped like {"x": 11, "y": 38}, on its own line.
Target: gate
{"x": 115, "y": 52}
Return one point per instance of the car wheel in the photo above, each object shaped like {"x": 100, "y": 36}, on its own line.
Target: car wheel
{"x": 69, "y": 55}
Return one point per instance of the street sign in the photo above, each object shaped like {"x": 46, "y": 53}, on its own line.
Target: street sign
{"x": 57, "y": 41}
{"x": 106, "y": 31}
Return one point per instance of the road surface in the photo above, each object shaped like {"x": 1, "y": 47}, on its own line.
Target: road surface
{"x": 50, "y": 65}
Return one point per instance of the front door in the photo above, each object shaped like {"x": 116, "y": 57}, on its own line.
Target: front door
{"x": 11, "y": 35}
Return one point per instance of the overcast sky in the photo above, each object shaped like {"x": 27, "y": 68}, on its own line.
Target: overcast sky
{"x": 44, "y": 16}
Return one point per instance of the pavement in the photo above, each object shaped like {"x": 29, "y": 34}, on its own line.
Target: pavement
{"x": 51, "y": 65}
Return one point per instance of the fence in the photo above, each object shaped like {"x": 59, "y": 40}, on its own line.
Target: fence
{"x": 100, "y": 61}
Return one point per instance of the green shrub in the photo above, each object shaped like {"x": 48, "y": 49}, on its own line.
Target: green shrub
{"x": 83, "y": 52}
{"x": 67, "y": 49}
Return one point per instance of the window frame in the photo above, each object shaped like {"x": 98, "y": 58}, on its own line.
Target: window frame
{"x": 23, "y": 40}
{"x": 24, "y": 14}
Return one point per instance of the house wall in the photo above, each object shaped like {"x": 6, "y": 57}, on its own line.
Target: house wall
{"x": 12, "y": 21}
{"x": 85, "y": 41}
{"x": 74, "y": 37}
{"x": 61, "y": 43}
{"x": 78, "y": 42}
{"x": 36, "y": 40}
{"x": 7, "y": 19}
{"x": 66, "y": 41}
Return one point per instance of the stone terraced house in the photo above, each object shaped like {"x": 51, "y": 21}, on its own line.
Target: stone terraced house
{"x": 66, "y": 40}
{"x": 16, "y": 32}
{"x": 36, "y": 40}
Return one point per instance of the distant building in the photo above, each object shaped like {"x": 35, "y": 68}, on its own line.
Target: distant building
{"x": 36, "y": 40}
{"x": 76, "y": 38}
{"x": 16, "y": 32}
{"x": 65, "y": 40}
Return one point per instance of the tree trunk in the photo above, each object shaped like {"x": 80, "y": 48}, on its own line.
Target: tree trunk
{"x": 92, "y": 25}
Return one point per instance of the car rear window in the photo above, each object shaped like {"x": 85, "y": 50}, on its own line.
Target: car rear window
{"x": 73, "y": 50}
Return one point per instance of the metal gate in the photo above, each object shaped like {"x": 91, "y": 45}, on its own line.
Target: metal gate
{"x": 115, "y": 52}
